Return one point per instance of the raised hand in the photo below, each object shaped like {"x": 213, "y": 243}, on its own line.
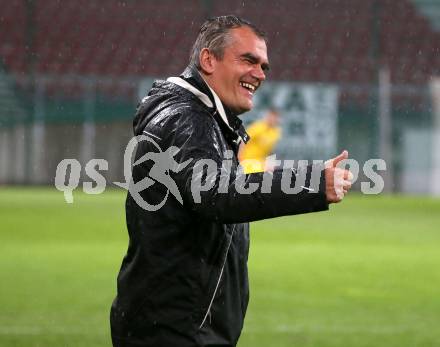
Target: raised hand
{"x": 338, "y": 181}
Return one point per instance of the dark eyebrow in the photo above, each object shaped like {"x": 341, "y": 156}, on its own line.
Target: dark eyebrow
{"x": 254, "y": 60}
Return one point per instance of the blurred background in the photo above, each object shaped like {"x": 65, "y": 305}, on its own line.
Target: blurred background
{"x": 361, "y": 75}
{"x": 354, "y": 74}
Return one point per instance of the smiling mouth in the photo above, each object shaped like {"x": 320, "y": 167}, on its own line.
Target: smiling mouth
{"x": 250, "y": 87}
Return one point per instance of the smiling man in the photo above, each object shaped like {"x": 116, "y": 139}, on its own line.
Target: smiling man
{"x": 236, "y": 74}
{"x": 184, "y": 280}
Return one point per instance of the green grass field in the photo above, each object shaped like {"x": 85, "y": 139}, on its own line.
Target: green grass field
{"x": 367, "y": 273}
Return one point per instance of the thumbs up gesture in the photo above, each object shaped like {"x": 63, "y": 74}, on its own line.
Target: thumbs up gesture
{"x": 338, "y": 181}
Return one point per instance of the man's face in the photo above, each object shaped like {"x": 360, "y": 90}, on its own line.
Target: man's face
{"x": 237, "y": 76}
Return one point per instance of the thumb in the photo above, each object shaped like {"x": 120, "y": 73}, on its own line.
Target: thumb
{"x": 340, "y": 157}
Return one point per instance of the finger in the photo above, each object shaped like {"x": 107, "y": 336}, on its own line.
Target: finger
{"x": 338, "y": 174}
{"x": 336, "y": 196}
{"x": 339, "y": 193}
{"x": 348, "y": 175}
{"x": 346, "y": 184}
{"x": 340, "y": 157}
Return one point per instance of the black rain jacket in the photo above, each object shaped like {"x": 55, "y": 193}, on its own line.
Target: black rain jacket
{"x": 184, "y": 280}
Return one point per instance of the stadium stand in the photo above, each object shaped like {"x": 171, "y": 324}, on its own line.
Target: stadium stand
{"x": 13, "y": 35}
{"x": 310, "y": 40}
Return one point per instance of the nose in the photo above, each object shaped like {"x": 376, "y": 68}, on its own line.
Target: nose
{"x": 258, "y": 73}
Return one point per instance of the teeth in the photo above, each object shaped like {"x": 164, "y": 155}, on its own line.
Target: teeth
{"x": 248, "y": 86}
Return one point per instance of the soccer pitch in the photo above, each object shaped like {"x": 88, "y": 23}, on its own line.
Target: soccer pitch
{"x": 366, "y": 273}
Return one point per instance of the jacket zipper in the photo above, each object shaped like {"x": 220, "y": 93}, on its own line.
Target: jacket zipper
{"x": 218, "y": 281}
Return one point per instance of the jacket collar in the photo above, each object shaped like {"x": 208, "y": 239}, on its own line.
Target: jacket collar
{"x": 217, "y": 105}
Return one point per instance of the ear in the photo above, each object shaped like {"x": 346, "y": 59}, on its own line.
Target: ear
{"x": 207, "y": 61}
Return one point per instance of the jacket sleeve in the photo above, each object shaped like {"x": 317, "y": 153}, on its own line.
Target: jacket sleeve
{"x": 256, "y": 202}
{"x": 212, "y": 191}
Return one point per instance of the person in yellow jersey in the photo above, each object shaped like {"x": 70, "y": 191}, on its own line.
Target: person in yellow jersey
{"x": 264, "y": 135}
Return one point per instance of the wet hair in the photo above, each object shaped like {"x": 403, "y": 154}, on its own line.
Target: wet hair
{"x": 214, "y": 34}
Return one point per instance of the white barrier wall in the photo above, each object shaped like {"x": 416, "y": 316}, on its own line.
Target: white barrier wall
{"x": 30, "y": 154}
{"x": 19, "y": 154}
{"x": 4, "y": 155}
{"x": 435, "y": 157}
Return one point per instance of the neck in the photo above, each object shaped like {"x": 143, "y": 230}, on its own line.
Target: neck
{"x": 208, "y": 80}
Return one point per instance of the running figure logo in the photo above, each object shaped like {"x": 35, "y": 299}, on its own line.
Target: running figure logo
{"x": 164, "y": 164}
